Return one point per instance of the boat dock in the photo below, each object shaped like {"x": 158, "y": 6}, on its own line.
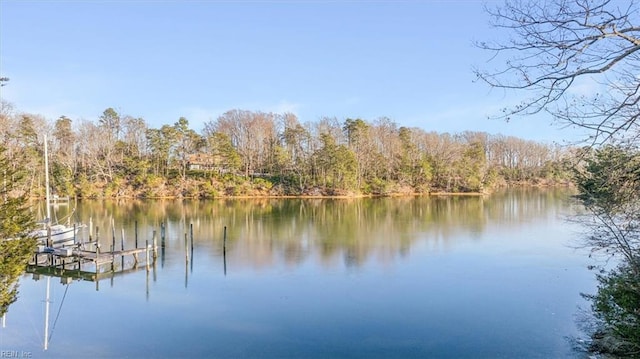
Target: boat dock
{"x": 86, "y": 261}
{"x": 67, "y": 256}
{"x": 80, "y": 260}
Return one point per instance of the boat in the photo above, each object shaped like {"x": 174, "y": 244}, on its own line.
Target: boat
{"x": 53, "y": 235}
{"x": 60, "y": 235}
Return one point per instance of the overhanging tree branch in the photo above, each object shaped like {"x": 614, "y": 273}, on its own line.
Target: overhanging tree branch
{"x": 554, "y": 44}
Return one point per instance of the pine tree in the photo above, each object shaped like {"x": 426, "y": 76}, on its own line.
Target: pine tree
{"x": 15, "y": 245}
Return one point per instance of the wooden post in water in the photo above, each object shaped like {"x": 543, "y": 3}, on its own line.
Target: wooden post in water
{"x": 191, "y": 247}
{"x": 135, "y": 230}
{"x": 113, "y": 243}
{"x": 191, "y": 229}
{"x": 97, "y": 256}
{"x": 162, "y": 245}
{"x": 122, "y": 249}
{"x": 113, "y": 257}
{"x": 147, "y": 252}
{"x": 155, "y": 246}
{"x": 224, "y": 250}
{"x": 113, "y": 235}
{"x": 186, "y": 261}
{"x": 90, "y": 229}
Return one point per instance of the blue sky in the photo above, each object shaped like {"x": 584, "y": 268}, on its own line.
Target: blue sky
{"x": 410, "y": 61}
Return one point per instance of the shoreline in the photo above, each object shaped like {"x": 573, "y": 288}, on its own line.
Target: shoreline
{"x": 258, "y": 196}
{"x": 348, "y": 195}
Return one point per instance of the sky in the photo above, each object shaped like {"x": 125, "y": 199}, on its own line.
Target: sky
{"x": 410, "y": 61}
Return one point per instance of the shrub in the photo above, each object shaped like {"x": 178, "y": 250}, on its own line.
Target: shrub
{"x": 617, "y": 307}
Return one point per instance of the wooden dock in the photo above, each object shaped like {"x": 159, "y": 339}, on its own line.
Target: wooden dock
{"x": 87, "y": 261}
{"x": 62, "y": 256}
{"x": 76, "y": 263}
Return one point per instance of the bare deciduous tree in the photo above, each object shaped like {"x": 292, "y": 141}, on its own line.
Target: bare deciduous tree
{"x": 251, "y": 133}
{"x": 576, "y": 59}
{"x": 579, "y": 61}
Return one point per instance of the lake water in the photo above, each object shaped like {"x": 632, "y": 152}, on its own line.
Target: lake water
{"x": 450, "y": 277}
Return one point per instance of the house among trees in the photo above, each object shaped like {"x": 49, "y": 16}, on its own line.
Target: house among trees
{"x": 202, "y": 162}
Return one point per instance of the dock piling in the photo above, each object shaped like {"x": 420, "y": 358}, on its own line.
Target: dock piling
{"x": 224, "y": 250}
{"x": 113, "y": 257}
{"x": 155, "y": 246}
{"x": 113, "y": 235}
{"x": 122, "y": 247}
{"x": 147, "y": 253}
{"x": 97, "y": 254}
{"x": 90, "y": 229}
{"x": 191, "y": 230}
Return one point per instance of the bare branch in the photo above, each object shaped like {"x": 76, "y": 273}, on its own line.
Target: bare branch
{"x": 555, "y": 43}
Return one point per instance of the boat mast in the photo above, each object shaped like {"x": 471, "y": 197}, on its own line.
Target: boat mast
{"x": 46, "y": 181}
{"x": 47, "y": 194}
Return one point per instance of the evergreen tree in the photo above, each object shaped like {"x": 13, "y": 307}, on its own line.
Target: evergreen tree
{"x": 15, "y": 245}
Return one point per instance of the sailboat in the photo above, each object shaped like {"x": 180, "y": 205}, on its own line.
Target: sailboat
{"x": 52, "y": 235}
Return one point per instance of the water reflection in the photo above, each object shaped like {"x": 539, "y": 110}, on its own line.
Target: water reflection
{"x": 262, "y": 232}
{"x": 388, "y": 277}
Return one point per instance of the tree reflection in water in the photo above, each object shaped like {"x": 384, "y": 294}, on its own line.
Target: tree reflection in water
{"x": 261, "y": 232}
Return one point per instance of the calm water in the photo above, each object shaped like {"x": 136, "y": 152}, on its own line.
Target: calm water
{"x": 454, "y": 277}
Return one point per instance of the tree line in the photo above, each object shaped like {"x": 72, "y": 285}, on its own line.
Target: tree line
{"x": 258, "y": 153}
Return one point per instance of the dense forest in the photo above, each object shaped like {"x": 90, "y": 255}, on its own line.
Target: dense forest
{"x": 252, "y": 153}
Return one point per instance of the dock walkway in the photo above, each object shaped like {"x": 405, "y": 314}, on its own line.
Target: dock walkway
{"x": 76, "y": 263}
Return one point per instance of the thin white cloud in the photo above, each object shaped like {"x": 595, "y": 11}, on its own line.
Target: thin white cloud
{"x": 285, "y": 106}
